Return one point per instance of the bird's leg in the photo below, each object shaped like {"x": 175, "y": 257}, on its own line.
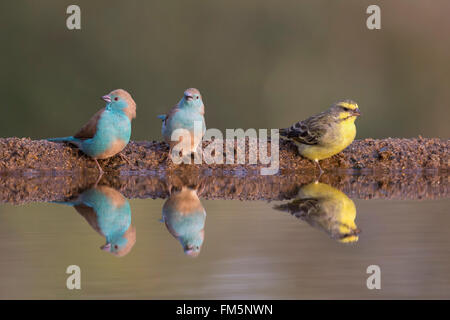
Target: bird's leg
{"x": 99, "y": 168}
{"x": 125, "y": 158}
{"x": 198, "y": 154}
{"x": 170, "y": 152}
{"x": 200, "y": 188}
{"x": 98, "y": 179}
{"x": 100, "y": 175}
{"x": 320, "y": 169}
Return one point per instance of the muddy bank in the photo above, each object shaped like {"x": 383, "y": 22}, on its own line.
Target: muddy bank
{"x": 390, "y": 154}
{"x": 426, "y": 185}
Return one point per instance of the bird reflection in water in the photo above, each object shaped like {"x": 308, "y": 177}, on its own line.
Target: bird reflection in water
{"x": 184, "y": 216}
{"x": 108, "y": 212}
{"x": 326, "y": 208}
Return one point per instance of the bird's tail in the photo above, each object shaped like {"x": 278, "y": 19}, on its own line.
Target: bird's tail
{"x": 283, "y": 133}
{"x": 282, "y": 207}
{"x": 70, "y": 139}
{"x": 162, "y": 117}
{"x": 62, "y": 139}
{"x": 67, "y": 203}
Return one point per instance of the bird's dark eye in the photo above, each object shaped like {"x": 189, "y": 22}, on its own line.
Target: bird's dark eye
{"x": 115, "y": 246}
{"x": 346, "y": 109}
{"x": 115, "y": 99}
{"x": 197, "y": 98}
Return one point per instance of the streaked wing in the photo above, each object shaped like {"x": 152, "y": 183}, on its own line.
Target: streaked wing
{"x": 300, "y": 208}
{"x": 309, "y": 131}
{"x": 89, "y": 129}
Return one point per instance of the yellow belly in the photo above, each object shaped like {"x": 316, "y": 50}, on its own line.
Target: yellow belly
{"x": 337, "y": 211}
{"x": 332, "y": 143}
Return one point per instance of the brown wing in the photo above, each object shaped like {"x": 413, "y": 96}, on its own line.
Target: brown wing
{"x": 172, "y": 112}
{"x": 89, "y": 214}
{"x": 308, "y": 131}
{"x": 89, "y": 129}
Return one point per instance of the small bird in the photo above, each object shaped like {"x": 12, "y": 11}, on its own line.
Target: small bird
{"x": 325, "y": 134}
{"x": 185, "y": 115}
{"x": 108, "y": 132}
{"x": 108, "y": 212}
{"x": 184, "y": 216}
{"x": 326, "y": 208}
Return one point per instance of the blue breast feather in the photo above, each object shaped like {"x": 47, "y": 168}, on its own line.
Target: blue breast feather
{"x": 111, "y": 126}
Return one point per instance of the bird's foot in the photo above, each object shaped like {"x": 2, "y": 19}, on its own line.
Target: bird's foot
{"x": 320, "y": 171}
{"x": 125, "y": 158}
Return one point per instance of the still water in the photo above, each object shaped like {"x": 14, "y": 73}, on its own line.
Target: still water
{"x": 317, "y": 244}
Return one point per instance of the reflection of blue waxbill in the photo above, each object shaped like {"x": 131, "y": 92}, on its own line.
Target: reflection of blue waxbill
{"x": 184, "y": 217}
{"x": 185, "y": 115}
{"x": 108, "y": 132}
{"x": 109, "y": 213}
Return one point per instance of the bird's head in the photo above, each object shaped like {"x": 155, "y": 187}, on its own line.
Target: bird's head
{"x": 120, "y": 100}
{"x": 345, "y": 110}
{"x": 192, "y": 98}
{"x": 192, "y": 251}
{"x": 122, "y": 245}
{"x": 192, "y": 244}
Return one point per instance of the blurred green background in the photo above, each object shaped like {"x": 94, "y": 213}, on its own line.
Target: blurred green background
{"x": 258, "y": 63}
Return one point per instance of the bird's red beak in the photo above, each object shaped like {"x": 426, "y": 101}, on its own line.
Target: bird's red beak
{"x": 106, "y": 247}
{"x": 192, "y": 253}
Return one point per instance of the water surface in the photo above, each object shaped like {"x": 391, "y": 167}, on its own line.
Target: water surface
{"x": 250, "y": 250}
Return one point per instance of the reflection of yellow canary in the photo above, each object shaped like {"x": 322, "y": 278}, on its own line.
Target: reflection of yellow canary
{"x": 326, "y": 134}
{"x": 327, "y": 208}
